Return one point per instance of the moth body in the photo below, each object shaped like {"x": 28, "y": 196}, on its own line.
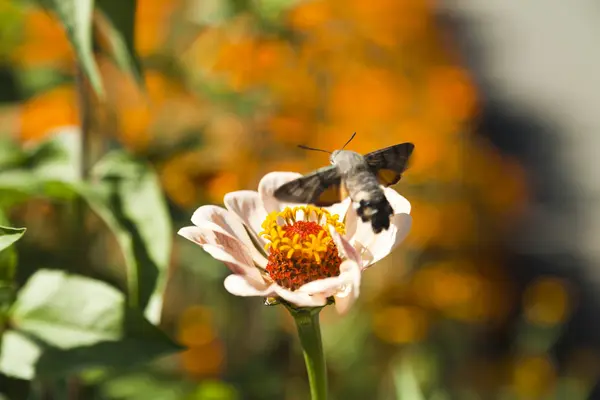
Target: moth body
{"x": 364, "y": 189}
{"x": 354, "y": 175}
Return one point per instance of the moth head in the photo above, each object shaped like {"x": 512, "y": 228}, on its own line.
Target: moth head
{"x": 333, "y": 155}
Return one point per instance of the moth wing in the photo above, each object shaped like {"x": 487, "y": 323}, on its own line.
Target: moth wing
{"x": 321, "y": 187}
{"x": 389, "y": 163}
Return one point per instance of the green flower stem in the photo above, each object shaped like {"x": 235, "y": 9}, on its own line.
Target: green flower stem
{"x": 309, "y": 330}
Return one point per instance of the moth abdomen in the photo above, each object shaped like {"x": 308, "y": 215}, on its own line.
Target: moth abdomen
{"x": 378, "y": 212}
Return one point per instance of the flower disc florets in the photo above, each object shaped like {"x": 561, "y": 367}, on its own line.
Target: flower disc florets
{"x": 300, "y": 246}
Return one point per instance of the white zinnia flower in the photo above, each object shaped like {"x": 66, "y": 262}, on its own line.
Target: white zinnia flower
{"x": 311, "y": 253}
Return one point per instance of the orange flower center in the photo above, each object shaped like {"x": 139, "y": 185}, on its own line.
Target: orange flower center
{"x": 300, "y": 246}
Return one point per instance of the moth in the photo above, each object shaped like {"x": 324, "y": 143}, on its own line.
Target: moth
{"x": 352, "y": 174}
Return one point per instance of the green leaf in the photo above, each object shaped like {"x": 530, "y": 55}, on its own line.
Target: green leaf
{"x": 64, "y": 323}
{"x": 128, "y": 198}
{"x": 18, "y": 355}
{"x": 76, "y": 17}
{"x": 210, "y": 12}
{"x": 405, "y": 380}
{"x": 11, "y": 154}
{"x": 49, "y": 169}
{"x": 140, "y": 385}
{"x": 8, "y": 263}
{"x": 33, "y": 81}
{"x": 117, "y": 27}
{"x": 9, "y": 236}
{"x": 59, "y": 157}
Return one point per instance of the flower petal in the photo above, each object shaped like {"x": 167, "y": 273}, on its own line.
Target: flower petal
{"x": 224, "y": 248}
{"x": 193, "y": 234}
{"x": 343, "y": 302}
{"x": 271, "y": 182}
{"x": 349, "y": 277}
{"x": 232, "y": 260}
{"x": 345, "y": 248}
{"x": 248, "y": 206}
{"x": 226, "y": 223}
{"x": 399, "y": 203}
{"x": 207, "y": 236}
{"x": 300, "y": 299}
{"x": 240, "y": 286}
{"x": 373, "y": 247}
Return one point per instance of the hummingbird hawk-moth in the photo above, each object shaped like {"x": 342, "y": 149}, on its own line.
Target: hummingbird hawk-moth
{"x": 352, "y": 174}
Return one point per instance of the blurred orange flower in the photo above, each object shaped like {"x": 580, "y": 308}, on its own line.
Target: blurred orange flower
{"x": 205, "y": 353}
{"x": 368, "y": 98}
{"x": 48, "y": 110}
{"x": 309, "y": 15}
{"x": 389, "y": 22}
{"x": 151, "y": 24}
{"x": 400, "y": 324}
{"x": 44, "y": 41}
{"x": 533, "y": 377}
{"x": 450, "y": 94}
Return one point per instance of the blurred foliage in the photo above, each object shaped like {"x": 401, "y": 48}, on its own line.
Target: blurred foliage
{"x": 196, "y": 98}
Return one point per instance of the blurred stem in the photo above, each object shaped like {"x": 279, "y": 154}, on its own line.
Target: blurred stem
{"x": 85, "y": 108}
{"x": 79, "y": 238}
{"x": 78, "y": 229}
{"x": 309, "y": 330}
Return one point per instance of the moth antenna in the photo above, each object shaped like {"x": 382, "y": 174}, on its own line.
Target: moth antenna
{"x": 349, "y": 140}
{"x": 313, "y": 149}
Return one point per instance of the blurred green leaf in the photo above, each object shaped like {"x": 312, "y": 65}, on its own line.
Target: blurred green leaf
{"x": 9, "y": 236}
{"x": 18, "y": 355}
{"x": 33, "y": 81}
{"x": 8, "y": 262}
{"x": 11, "y": 27}
{"x": 76, "y": 17}
{"x": 128, "y": 197}
{"x": 59, "y": 157}
{"x": 210, "y": 12}
{"x": 141, "y": 385}
{"x": 405, "y": 380}
{"x": 214, "y": 390}
{"x": 11, "y": 154}
{"x": 48, "y": 169}
{"x": 117, "y": 27}
{"x": 68, "y": 322}
{"x": 272, "y": 10}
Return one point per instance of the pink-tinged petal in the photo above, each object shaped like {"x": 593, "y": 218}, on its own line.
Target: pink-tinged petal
{"x": 240, "y": 286}
{"x": 325, "y": 287}
{"x": 349, "y": 277}
{"x": 345, "y": 298}
{"x": 300, "y": 299}
{"x": 225, "y": 223}
{"x": 345, "y": 247}
{"x": 232, "y": 260}
{"x": 208, "y": 236}
{"x": 226, "y": 249}
{"x": 343, "y": 302}
{"x": 193, "y": 234}
{"x": 271, "y": 182}
{"x": 248, "y": 206}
